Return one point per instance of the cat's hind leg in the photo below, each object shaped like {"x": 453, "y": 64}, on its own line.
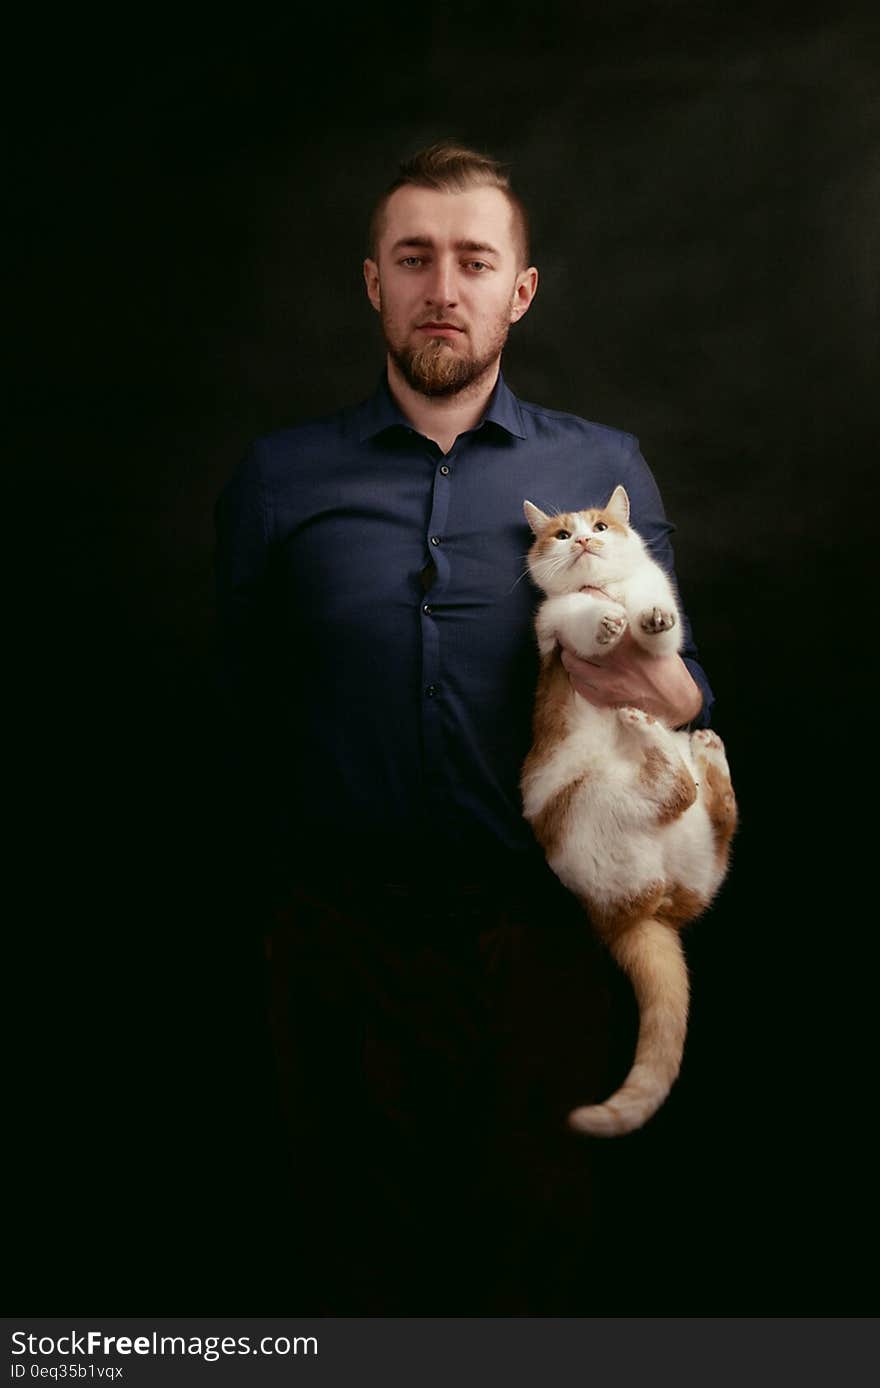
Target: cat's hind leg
{"x": 665, "y": 785}
{"x": 716, "y": 788}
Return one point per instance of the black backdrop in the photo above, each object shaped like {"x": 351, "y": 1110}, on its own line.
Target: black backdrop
{"x": 188, "y": 211}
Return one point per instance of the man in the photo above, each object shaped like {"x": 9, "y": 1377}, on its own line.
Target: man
{"x": 439, "y": 1002}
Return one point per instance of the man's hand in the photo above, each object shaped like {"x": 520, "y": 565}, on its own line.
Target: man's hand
{"x": 661, "y": 685}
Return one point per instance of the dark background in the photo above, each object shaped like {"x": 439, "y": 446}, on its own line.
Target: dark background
{"x": 189, "y": 208}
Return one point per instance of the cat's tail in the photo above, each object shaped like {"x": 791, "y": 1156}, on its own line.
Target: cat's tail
{"x": 651, "y": 956}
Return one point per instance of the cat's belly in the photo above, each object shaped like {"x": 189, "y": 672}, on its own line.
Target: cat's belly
{"x": 599, "y": 859}
{"x": 582, "y": 802}
{"x": 611, "y": 861}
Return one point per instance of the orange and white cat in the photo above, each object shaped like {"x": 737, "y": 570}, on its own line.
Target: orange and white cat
{"x": 635, "y": 819}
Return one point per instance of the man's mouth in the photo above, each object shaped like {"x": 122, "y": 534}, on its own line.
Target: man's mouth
{"x": 438, "y": 329}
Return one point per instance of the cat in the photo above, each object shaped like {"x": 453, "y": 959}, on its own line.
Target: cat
{"x": 635, "y": 819}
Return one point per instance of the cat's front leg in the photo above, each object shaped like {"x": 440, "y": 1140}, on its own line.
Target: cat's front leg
{"x": 588, "y": 625}
{"x": 653, "y": 614}
{"x": 655, "y": 620}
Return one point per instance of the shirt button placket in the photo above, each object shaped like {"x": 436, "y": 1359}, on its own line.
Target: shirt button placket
{"x": 432, "y": 686}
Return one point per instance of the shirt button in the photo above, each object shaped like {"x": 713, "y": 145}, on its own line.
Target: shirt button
{"x": 444, "y": 468}
{"x": 435, "y": 539}
{"x": 431, "y": 690}
{"x": 427, "y": 609}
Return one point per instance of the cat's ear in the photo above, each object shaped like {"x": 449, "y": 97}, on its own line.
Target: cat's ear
{"x": 535, "y": 517}
{"x": 618, "y": 506}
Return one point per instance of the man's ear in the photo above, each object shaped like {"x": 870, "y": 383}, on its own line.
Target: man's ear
{"x": 371, "y": 279}
{"x": 523, "y": 293}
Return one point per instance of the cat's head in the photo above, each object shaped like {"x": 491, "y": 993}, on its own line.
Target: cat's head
{"x": 583, "y": 549}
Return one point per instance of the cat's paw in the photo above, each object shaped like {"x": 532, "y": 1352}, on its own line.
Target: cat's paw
{"x": 610, "y": 627}
{"x": 636, "y": 719}
{"x": 657, "y": 619}
{"x": 707, "y": 740}
{"x": 708, "y": 749}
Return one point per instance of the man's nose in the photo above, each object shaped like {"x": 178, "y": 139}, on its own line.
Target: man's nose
{"x": 442, "y": 287}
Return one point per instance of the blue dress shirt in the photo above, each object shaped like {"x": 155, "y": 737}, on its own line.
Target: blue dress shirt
{"x": 379, "y": 658}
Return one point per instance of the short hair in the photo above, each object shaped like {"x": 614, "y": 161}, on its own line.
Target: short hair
{"x": 451, "y": 168}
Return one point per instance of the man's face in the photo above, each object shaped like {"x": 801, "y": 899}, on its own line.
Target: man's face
{"x": 448, "y": 285}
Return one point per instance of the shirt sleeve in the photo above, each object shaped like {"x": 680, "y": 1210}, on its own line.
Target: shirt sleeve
{"x": 246, "y": 680}
{"x": 649, "y": 519}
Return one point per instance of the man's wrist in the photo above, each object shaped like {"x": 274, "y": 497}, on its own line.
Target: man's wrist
{"x": 691, "y": 707}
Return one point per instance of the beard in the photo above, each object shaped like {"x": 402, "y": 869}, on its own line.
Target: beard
{"x": 434, "y": 368}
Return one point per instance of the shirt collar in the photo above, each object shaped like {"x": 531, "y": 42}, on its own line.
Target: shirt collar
{"x": 381, "y": 411}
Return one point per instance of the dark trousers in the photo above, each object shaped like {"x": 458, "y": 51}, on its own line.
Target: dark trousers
{"x": 428, "y": 1053}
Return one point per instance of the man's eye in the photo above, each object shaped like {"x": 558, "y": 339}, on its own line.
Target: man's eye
{"x": 563, "y": 534}
{"x": 600, "y": 525}
{"x": 477, "y": 265}
{"x": 411, "y": 260}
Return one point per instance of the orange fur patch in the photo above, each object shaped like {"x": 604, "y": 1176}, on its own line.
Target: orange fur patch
{"x": 678, "y": 798}
{"x": 668, "y": 903}
{"x": 654, "y": 763}
{"x": 552, "y": 713}
{"x": 598, "y": 515}
{"x": 551, "y": 825}
{"x": 613, "y": 918}
{"x": 673, "y": 799}
{"x": 721, "y": 808}
{"x": 679, "y": 906}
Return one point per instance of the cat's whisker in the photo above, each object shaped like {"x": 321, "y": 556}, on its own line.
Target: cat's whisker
{"x": 519, "y": 579}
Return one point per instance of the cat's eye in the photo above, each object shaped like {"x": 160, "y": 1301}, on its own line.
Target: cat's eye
{"x": 563, "y": 534}
{"x": 600, "y": 525}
